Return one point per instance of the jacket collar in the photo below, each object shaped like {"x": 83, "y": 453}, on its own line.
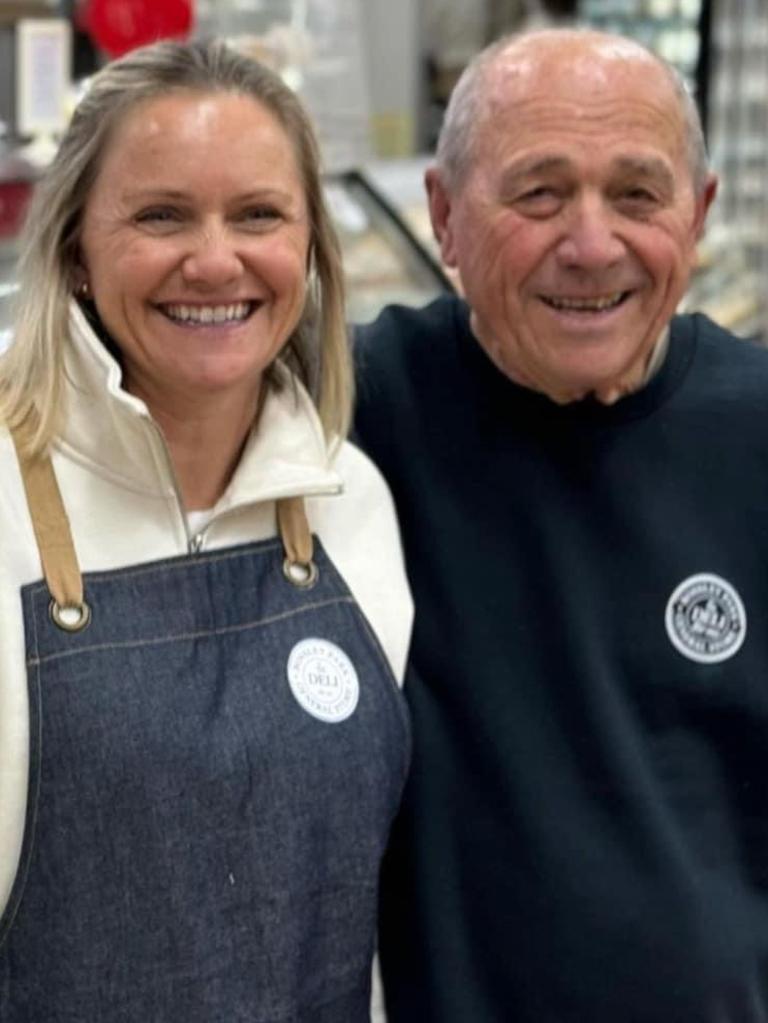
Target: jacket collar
{"x": 114, "y": 434}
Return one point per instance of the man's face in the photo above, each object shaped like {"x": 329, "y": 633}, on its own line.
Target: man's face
{"x": 574, "y": 228}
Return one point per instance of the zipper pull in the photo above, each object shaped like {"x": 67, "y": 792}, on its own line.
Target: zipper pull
{"x": 196, "y": 542}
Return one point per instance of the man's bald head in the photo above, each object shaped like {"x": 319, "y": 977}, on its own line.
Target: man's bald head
{"x": 498, "y": 75}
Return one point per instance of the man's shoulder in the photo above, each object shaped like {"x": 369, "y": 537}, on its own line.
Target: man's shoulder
{"x": 405, "y": 361}
{"x": 402, "y": 332}
{"x": 717, "y": 348}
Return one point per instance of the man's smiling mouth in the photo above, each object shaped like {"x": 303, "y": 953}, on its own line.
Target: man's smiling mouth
{"x": 597, "y": 304}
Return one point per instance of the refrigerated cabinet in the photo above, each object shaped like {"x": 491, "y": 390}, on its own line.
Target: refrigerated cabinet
{"x": 388, "y": 256}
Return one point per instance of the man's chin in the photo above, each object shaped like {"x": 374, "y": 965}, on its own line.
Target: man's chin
{"x": 580, "y": 371}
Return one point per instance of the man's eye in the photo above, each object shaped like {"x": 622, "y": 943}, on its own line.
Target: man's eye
{"x": 639, "y": 196}
{"x": 540, "y": 201}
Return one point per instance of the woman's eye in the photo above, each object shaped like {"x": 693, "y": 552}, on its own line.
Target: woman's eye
{"x": 261, "y": 216}
{"x": 158, "y": 215}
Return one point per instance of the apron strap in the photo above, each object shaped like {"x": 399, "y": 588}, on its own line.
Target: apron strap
{"x": 294, "y": 530}
{"x": 57, "y": 549}
{"x": 298, "y": 567}
{"x": 51, "y": 528}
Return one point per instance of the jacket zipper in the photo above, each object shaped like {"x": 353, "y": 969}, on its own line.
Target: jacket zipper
{"x": 196, "y": 542}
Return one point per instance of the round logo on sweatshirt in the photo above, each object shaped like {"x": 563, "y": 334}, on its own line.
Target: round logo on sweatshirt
{"x": 323, "y": 680}
{"x": 705, "y": 619}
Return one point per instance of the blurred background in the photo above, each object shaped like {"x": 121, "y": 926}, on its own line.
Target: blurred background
{"x": 376, "y": 75}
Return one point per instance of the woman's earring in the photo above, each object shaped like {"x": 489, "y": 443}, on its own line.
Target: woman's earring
{"x": 312, "y": 283}
{"x": 84, "y": 291}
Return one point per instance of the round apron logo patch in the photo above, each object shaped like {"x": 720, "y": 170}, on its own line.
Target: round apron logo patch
{"x": 323, "y": 680}
{"x": 705, "y": 619}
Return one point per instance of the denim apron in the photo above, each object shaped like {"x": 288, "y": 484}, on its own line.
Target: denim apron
{"x": 217, "y": 748}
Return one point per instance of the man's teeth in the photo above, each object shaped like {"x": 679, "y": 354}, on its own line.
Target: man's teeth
{"x": 592, "y": 305}
{"x": 208, "y": 313}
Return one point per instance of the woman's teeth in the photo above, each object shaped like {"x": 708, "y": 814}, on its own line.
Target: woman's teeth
{"x": 233, "y": 313}
{"x": 590, "y": 305}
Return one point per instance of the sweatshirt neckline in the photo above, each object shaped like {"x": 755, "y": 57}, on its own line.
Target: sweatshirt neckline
{"x": 494, "y": 389}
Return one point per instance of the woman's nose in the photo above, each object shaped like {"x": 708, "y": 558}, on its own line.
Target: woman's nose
{"x": 212, "y": 259}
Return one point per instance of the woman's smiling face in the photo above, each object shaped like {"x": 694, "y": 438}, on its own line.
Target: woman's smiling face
{"x": 194, "y": 243}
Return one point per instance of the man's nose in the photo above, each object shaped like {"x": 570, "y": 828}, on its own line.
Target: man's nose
{"x": 590, "y": 241}
{"x": 213, "y": 258}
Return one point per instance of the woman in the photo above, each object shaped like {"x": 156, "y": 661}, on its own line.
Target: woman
{"x": 201, "y": 739}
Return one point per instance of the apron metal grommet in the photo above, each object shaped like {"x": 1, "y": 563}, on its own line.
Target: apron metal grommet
{"x": 70, "y": 617}
{"x": 301, "y": 574}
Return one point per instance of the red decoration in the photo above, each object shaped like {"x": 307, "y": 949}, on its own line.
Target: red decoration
{"x": 117, "y": 26}
{"x": 14, "y": 199}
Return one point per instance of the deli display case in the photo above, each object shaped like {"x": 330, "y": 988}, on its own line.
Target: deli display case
{"x": 387, "y": 255}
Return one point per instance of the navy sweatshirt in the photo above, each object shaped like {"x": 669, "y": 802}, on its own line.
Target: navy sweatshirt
{"x": 584, "y": 836}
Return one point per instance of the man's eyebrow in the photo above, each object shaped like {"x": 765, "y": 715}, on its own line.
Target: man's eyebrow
{"x": 532, "y": 167}
{"x": 648, "y": 167}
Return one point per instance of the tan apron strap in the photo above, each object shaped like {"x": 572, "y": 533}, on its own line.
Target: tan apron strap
{"x": 294, "y": 530}
{"x": 57, "y": 549}
{"x": 51, "y": 526}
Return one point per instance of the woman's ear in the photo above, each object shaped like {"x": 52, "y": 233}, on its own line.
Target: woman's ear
{"x": 81, "y": 284}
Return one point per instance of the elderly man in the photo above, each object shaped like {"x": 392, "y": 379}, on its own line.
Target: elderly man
{"x": 582, "y": 481}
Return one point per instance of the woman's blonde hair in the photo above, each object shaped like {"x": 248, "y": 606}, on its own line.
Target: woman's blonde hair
{"x": 31, "y": 370}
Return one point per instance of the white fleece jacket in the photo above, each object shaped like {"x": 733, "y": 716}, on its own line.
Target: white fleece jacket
{"x": 118, "y": 487}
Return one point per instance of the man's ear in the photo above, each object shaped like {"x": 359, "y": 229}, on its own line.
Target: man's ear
{"x": 703, "y": 202}
{"x": 440, "y": 214}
